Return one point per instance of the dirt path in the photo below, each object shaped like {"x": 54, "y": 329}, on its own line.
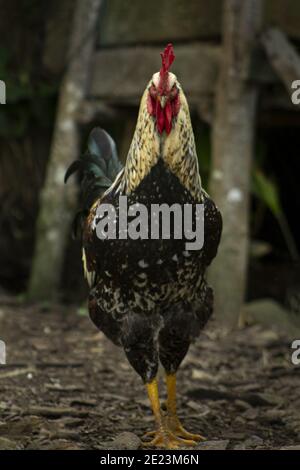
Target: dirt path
{"x": 66, "y": 387}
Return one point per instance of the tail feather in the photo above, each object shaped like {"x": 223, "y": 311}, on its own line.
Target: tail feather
{"x": 98, "y": 168}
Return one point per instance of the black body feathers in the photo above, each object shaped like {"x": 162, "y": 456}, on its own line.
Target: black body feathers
{"x": 149, "y": 296}
{"x": 97, "y": 167}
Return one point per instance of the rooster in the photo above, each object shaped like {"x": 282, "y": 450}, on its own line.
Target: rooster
{"x": 149, "y": 296}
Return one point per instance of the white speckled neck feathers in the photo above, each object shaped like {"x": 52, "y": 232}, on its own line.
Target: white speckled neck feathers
{"x": 177, "y": 149}
{"x": 144, "y": 150}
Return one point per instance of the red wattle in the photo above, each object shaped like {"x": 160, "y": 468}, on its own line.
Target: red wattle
{"x": 164, "y": 115}
{"x": 160, "y": 118}
{"x": 168, "y": 117}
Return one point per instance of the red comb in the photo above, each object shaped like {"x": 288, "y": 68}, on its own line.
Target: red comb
{"x": 167, "y": 59}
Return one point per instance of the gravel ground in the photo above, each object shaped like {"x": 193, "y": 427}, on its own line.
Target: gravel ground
{"x": 66, "y": 387}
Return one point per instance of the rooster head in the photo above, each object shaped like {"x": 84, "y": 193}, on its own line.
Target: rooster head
{"x": 163, "y": 131}
{"x": 163, "y": 101}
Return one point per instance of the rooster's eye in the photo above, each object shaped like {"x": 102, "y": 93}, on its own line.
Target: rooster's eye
{"x": 174, "y": 92}
{"x": 153, "y": 91}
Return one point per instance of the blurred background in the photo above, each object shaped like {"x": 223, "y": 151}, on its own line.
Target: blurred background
{"x": 109, "y": 50}
{"x": 69, "y": 66}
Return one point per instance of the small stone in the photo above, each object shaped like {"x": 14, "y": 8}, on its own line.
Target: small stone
{"x": 294, "y": 447}
{"x": 194, "y": 405}
{"x": 264, "y": 399}
{"x": 253, "y": 441}
{"x": 213, "y": 445}
{"x": 273, "y": 416}
{"x": 72, "y": 422}
{"x": 235, "y": 436}
{"x": 242, "y": 405}
{"x": 125, "y": 441}
{"x": 239, "y": 420}
{"x": 61, "y": 444}
{"x": 7, "y": 444}
{"x": 240, "y": 446}
{"x": 200, "y": 409}
{"x": 250, "y": 414}
{"x": 202, "y": 375}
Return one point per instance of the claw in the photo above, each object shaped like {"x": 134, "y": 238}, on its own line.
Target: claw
{"x": 178, "y": 430}
{"x": 149, "y": 433}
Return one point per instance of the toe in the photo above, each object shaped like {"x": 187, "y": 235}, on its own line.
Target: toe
{"x": 190, "y": 436}
{"x": 149, "y": 434}
{"x": 177, "y": 429}
{"x": 185, "y": 442}
{"x": 167, "y": 440}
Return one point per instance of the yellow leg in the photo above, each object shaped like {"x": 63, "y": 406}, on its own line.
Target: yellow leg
{"x": 152, "y": 389}
{"x": 172, "y": 419}
{"x": 163, "y": 437}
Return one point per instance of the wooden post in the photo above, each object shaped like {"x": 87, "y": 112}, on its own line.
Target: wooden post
{"x": 57, "y": 202}
{"x": 232, "y": 147}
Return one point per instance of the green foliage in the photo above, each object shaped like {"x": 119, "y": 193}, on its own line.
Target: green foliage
{"x": 82, "y": 311}
{"x": 203, "y": 148}
{"x": 263, "y": 187}
{"x": 267, "y": 191}
{"x": 29, "y": 102}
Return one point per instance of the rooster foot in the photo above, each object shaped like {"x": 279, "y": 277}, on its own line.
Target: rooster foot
{"x": 176, "y": 428}
{"x": 165, "y": 439}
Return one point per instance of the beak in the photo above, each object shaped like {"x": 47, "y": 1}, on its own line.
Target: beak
{"x": 163, "y": 101}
